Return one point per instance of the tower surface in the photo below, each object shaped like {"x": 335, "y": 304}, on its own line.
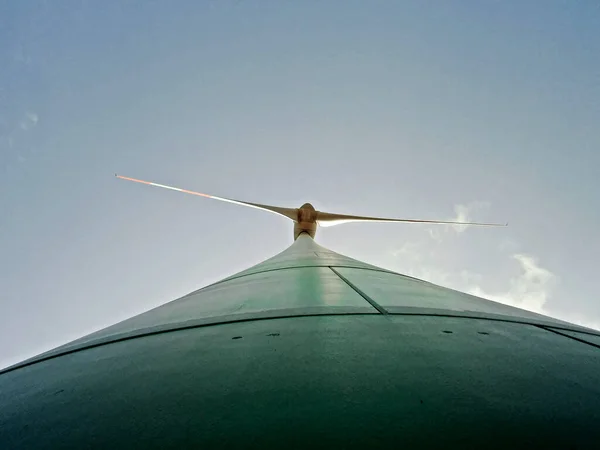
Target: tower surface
{"x": 312, "y": 348}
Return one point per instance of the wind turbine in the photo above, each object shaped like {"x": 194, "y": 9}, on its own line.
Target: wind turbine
{"x": 313, "y": 348}
{"x": 306, "y": 218}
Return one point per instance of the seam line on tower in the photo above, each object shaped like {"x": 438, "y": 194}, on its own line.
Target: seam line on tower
{"x": 373, "y": 303}
{"x": 583, "y": 341}
{"x": 235, "y": 277}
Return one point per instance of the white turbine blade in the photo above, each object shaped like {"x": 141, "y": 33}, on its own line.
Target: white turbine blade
{"x": 328, "y": 220}
{"x": 290, "y": 213}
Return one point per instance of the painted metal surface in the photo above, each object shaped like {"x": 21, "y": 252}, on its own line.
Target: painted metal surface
{"x": 304, "y": 287}
{"x": 400, "y": 295}
{"x": 350, "y": 382}
{"x": 312, "y": 346}
{"x": 305, "y": 252}
{"x": 593, "y": 339}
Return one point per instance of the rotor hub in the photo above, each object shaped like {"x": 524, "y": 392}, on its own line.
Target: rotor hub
{"x": 306, "y": 221}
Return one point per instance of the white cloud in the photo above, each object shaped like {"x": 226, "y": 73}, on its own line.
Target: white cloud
{"x": 31, "y": 119}
{"x": 463, "y": 213}
{"x": 516, "y": 278}
{"x": 530, "y": 289}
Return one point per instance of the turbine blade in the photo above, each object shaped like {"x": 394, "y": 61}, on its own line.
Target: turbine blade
{"x": 290, "y": 213}
{"x": 328, "y": 220}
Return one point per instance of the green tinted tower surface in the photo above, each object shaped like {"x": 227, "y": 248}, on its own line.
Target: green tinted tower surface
{"x": 313, "y": 349}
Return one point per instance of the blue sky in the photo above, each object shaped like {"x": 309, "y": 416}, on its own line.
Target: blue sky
{"x": 419, "y": 109}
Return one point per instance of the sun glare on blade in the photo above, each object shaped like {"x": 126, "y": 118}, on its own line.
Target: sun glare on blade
{"x": 290, "y": 213}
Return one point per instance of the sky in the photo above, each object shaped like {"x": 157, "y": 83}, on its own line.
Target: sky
{"x": 486, "y": 111}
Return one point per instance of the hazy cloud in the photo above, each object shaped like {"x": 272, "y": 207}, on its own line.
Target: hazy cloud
{"x": 435, "y": 234}
{"x": 407, "y": 250}
{"x": 530, "y": 286}
{"x": 31, "y": 119}
{"x": 508, "y": 245}
{"x": 530, "y": 289}
{"x": 11, "y": 137}
{"x": 463, "y": 213}
{"x": 413, "y": 260}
